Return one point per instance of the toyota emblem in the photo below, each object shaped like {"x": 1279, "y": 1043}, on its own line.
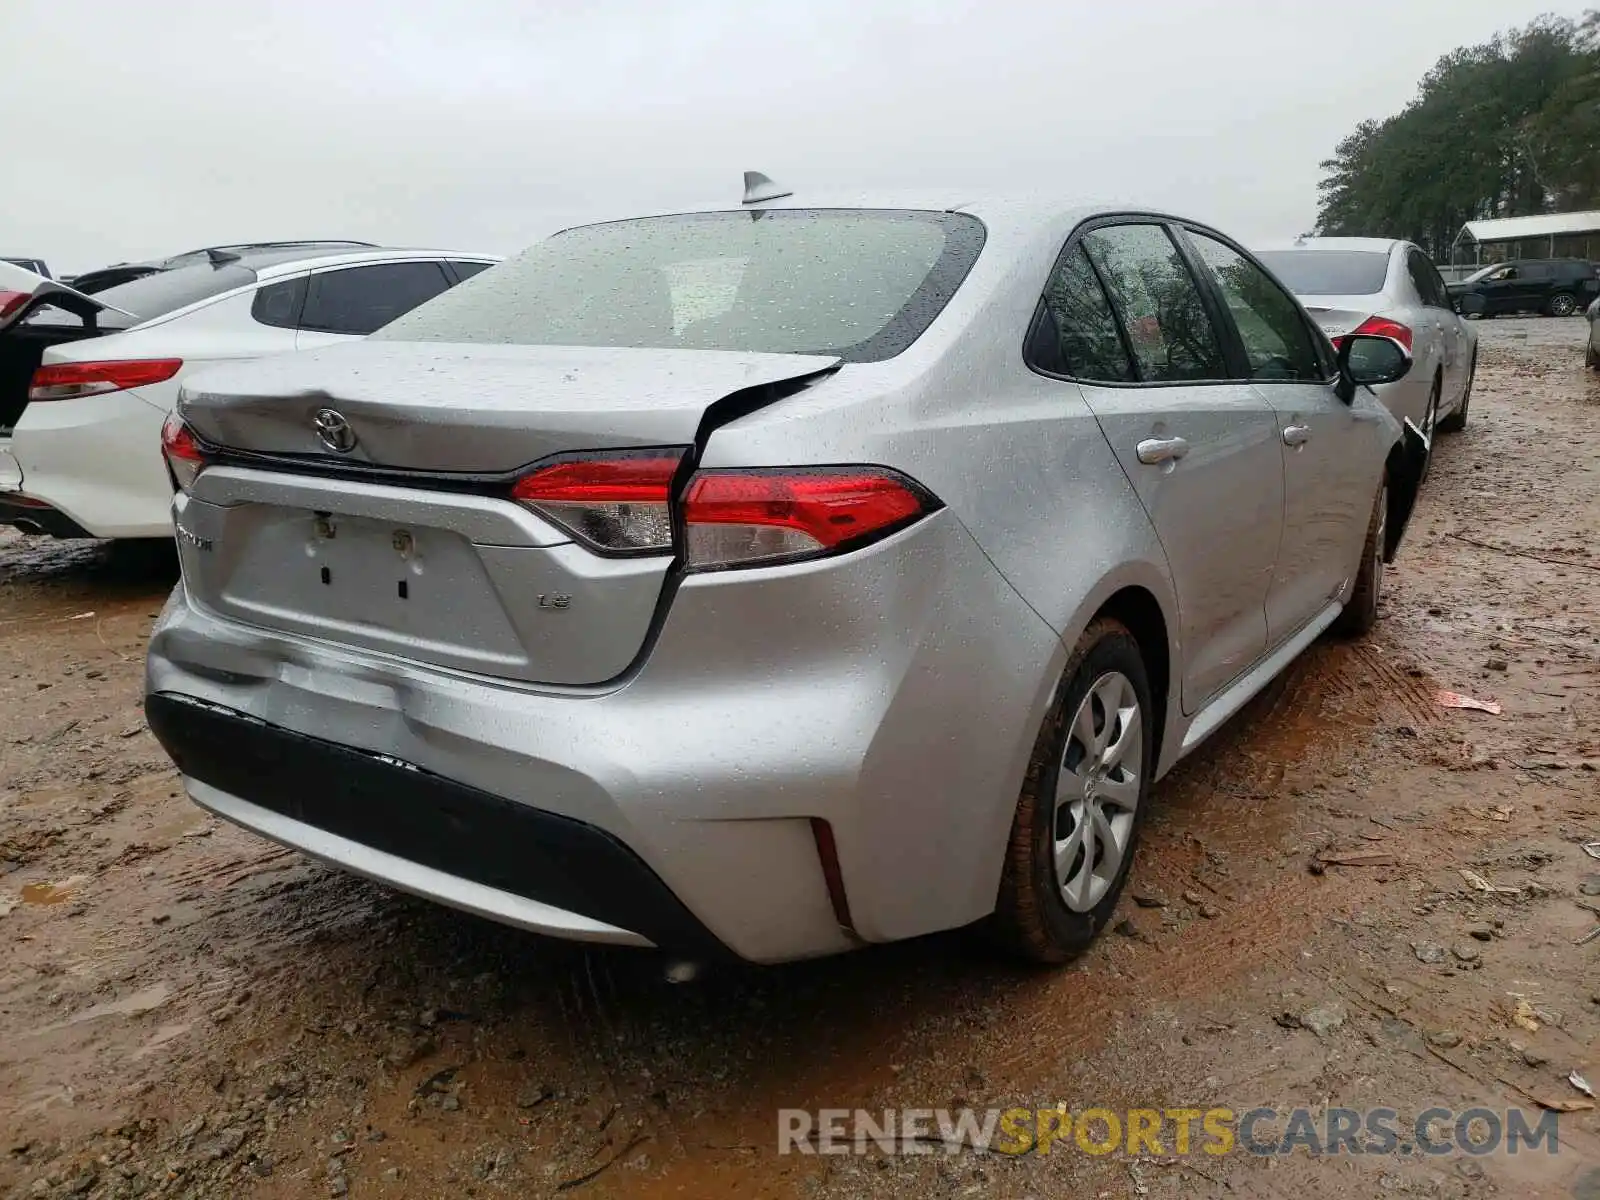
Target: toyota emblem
{"x": 333, "y": 431}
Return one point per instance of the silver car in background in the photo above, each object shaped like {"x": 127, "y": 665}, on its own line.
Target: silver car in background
{"x": 773, "y": 579}
{"x": 1377, "y": 285}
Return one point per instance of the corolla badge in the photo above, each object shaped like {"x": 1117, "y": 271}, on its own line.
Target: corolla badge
{"x": 333, "y": 431}
{"x": 190, "y": 536}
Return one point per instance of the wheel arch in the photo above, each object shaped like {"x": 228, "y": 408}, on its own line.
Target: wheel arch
{"x": 1137, "y": 608}
{"x": 1403, "y": 470}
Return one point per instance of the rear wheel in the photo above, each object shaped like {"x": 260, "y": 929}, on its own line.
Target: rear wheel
{"x": 1430, "y": 421}
{"x": 1361, "y": 613}
{"x": 1562, "y": 305}
{"x": 1082, "y": 803}
{"x": 1457, "y": 421}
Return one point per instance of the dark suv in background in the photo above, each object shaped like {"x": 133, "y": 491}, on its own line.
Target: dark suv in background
{"x": 1556, "y": 286}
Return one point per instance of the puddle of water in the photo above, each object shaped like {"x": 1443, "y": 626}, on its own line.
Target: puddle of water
{"x": 131, "y": 1005}
{"x": 51, "y": 893}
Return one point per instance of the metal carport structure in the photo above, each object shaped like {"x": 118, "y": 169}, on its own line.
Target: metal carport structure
{"x": 1546, "y": 235}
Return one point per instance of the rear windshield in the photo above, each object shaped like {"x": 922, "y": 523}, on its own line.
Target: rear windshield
{"x": 859, "y": 283}
{"x": 156, "y": 295}
{"x": 1329, "y": 272}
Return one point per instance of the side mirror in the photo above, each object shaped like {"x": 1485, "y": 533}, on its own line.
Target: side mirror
{"x": 1367, "y": 360}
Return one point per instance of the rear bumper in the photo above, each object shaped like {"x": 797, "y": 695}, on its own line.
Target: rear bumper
{"x": 894, "y": 693}
{"x": 38, "y": 517}
{"x": 97, "y": 461}
{"x": 379, "y": 817}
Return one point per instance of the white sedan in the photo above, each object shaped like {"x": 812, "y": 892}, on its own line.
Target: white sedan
{"x": 86, "y": 381}
{"x": 1378, "y": 285}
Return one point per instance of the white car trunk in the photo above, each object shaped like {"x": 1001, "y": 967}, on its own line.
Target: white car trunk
{"x": 23, "y": 341}
{"x": 1338, "y": 315}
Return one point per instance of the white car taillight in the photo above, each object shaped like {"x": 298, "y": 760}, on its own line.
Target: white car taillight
{"x": 69, "y": 381}
{"x": 622, "y": 504}
{"x": 1379, "y": 327}
{"x": 185, "y": 454}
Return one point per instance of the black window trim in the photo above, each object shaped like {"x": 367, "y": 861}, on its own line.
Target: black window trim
{"x": 1041, "y": 312}
{"x": 1075, "y": 239}
{"x": 1233, "y": 353}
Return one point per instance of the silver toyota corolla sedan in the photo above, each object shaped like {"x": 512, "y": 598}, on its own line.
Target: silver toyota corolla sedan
{"x": 1376, "y": 285}
{"x": 776, "y": 579}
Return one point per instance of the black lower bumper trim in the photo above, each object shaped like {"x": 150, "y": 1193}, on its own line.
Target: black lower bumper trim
{"x": 34, "y": 518}
{"x": 427, "y": 819}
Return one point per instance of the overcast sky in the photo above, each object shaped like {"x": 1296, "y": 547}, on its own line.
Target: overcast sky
{"x": 141, "y": 129}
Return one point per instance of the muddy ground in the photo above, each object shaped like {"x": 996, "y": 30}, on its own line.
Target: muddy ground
{"x": 185, "y": 1009}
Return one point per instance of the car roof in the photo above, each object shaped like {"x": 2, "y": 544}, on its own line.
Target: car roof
{"x": 1365, "y": 245}
{"x": 271, "y": 264}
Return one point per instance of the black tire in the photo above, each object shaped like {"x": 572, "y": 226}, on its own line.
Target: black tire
{"x": 1590, "y": 359}
{"x": 1562, "y": 304}
{"x": 1361, "y": 613}
{"x": 1457, "y": 421}
{"x": 1032, "y": 918}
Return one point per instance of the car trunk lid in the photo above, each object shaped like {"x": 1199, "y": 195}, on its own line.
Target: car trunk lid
{"x": 73, "y": 316}
{"x": 409, "y": 543}
{"x": 479, "y": 410}
{"x": 1338, "y": 315}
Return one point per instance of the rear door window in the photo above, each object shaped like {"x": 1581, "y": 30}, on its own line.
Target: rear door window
{"x": 362, "y": 300}
{"x": 1076, "y": 332}
{"x": 1436, "y": 281}
{"x": 1425, "y": 280}
{"x": 1158, "y": 304}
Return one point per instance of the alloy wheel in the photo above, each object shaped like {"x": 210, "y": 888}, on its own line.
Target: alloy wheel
{"x": 1097, "y": 791}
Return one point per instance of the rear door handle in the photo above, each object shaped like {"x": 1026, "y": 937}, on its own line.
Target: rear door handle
{"x": 1160, "y": 450}
{"x": 1296, "y": 435}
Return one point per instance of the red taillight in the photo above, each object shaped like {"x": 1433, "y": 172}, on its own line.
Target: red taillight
{"x": 738, "y": 518}
{"x": 11, "y": 301}
{"x": 185, "y": 455}
{"x": 620, "y": 503}
{"x": 1379, "y": 327}
{"x": 68, "y": 381}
